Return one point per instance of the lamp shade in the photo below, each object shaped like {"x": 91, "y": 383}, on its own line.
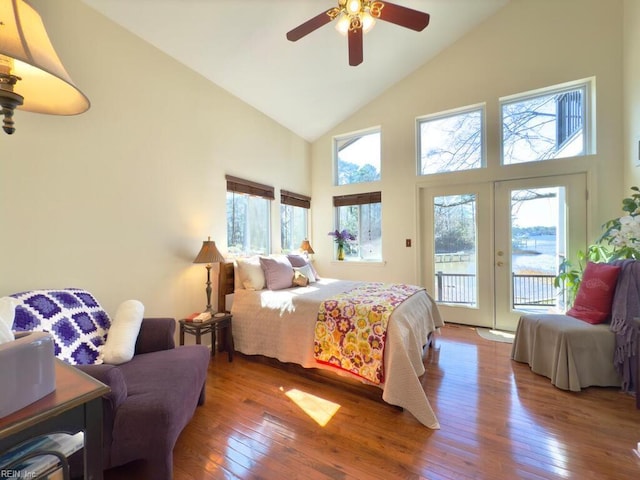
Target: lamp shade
{"x": 209, "y": 253}
{"x": 305, "y": 246}
{"x": 26, "y": 52}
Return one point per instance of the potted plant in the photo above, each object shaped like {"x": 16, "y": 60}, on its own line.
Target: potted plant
{"x": 621, "y": 239}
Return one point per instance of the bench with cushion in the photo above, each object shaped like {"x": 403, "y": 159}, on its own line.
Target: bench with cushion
{"x": 595, "y": 343}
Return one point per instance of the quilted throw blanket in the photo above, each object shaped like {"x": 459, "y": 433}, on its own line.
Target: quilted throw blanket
{"x": 351, "y": 328}
{"x": 73, "y": 317}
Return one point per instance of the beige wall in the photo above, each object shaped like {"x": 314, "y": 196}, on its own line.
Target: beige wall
{"x": 118, "y": 200}
{"x": 527, "y": 45}
{"x": 631, "y": 93}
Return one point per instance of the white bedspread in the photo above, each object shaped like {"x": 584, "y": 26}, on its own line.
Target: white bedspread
{"x": 280, "y": 324}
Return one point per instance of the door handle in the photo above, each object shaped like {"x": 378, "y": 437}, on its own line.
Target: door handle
{"x": 500, "y": 264}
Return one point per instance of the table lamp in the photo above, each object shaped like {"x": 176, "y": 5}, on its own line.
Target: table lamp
{"x": 209, "y": 254}
{"x": 305, "y": 246}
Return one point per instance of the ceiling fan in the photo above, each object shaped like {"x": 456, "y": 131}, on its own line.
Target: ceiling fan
{"x": 356, "y": 17}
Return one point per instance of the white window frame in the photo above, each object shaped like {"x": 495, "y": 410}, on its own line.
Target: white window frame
{"x": 481, "y": 107}
{"x": 588, "y": 122}
{"x": 294, "y": 202}
{"x": 353, "y": 135}
{"x": 359, "y": 204}
{"x": 252, "y": 190}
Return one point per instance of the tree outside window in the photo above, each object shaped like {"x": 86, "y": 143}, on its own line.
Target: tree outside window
{"x": 248, "y": 217}
{"x": 294, "y": 213}
{"x": 544, "y": 126}
{"x": 357, "y": 157}
{"x": 451, "y": 142}
{"x": 361, "y": 214}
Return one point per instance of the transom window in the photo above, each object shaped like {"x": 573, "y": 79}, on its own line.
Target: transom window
{"x": 451, "y": 142}
{"x": 357, "y": 157}
{"x": 361, "y": 214}
{"x": 248, "y": 216}
{"x": 294, "y": 212}
{"x": 544, "y": 126}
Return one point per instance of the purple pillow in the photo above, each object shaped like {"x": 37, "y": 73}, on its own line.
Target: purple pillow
{"x": 278, "y": 272}
{"x": 298, "y": 261}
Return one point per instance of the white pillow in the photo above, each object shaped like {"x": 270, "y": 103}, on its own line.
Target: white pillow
{"x": 7, "y": 312}
{"x": 251, "y": 273}
{"x": 123, "y": 333}
{"x": 307, "y": 272}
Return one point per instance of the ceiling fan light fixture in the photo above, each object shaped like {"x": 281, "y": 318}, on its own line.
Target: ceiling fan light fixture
{"x": 353, "y": 7}
{"x": 343, "y": 24}
{"x": 367, "y": 22}
{"x": 357, "y": 17}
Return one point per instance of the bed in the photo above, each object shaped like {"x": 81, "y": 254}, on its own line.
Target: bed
{"x": 280, "y": 324}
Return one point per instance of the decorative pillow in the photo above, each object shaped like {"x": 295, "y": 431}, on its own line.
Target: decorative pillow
{"x": 72, "y": 316}
{"x": 277, "y": 271}
{"x": 307, "y": 272}
{"x": 123, "y": 333}
{"x": 7, "y": 312}
{"x": 299, "y": 279}
{"x": 297, "y": 260}
{"x": 301, "y": 261}
{"x": 251, "y": 273}
{"x": 595, "y": 294}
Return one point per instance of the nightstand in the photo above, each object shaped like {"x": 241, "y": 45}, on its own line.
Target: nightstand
{"x": 220, "y": 322}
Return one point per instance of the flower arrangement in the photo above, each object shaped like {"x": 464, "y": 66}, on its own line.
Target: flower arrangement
{"x": 620, "y": 240}
{"x": 343, "y": 237}
{"x": 623, "y": 234}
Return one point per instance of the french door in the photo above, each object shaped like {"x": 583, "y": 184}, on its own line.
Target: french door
{"x": 491, "y": 250}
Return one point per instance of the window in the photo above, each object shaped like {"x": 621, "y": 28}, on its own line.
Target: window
{"x": 361, "y": 214}
{"x": 248, "y": 216}
{"x": 545, "y": 126}
{"x": 357, "y": 157}
{"x": 451, "y": 142}
{"x": 294, "y": 209}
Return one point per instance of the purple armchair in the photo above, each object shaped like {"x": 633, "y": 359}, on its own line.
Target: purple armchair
{"x": 152, "y": 398}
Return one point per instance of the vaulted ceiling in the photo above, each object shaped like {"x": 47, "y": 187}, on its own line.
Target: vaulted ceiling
{"x": 307, "y": 86}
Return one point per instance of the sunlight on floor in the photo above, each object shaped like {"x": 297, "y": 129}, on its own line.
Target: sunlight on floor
{"x": 319, "y": 409}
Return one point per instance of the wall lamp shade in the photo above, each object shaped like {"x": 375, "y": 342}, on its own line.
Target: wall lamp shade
{"x": 32, "y": 77}
{"x": 305, "y": 246}
{"x": 209, "y": 254}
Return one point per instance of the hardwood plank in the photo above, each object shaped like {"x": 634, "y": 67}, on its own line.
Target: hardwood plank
{"x": 498, "y": 421}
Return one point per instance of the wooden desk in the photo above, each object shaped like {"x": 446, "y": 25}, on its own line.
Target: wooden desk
{"x": 74, "y": 405}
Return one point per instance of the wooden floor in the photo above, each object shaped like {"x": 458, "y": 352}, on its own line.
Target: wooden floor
{"x": 498, "y": 421}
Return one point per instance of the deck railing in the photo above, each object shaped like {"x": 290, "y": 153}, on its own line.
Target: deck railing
{"x": 456, "y": 288}
{"x": 534, "y": 290}
{"x": 528, "y": 290}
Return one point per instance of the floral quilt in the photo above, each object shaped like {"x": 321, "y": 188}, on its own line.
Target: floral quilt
{"x": 351, "y": 327}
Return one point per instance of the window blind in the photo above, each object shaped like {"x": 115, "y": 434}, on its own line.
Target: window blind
{"x": 240, "y": 185}
{"x": 357, "y": 199}
{"x": 294, "y": 199}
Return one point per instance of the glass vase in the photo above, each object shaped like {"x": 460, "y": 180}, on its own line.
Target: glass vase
{"x": 341, "y": 252}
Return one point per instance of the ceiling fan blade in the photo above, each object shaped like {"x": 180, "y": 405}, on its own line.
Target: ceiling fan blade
{"x": 310, "y": 25}
{"x": 355, "y": 47}
{"x": 403, "y": 16}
